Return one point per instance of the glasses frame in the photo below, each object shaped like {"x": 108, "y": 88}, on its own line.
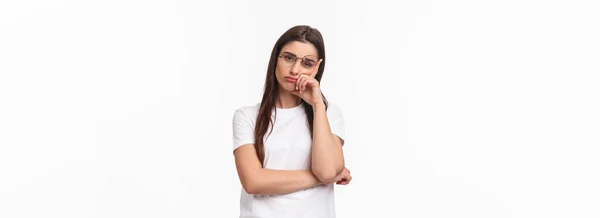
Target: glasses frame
{"x": 296, "y": 60}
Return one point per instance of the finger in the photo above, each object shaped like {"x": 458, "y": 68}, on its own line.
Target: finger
{"x": 316, "y": 69}
{"x": 299, "y": 81}
{"x": 299, "y": 84}
{"x": 304, "y": 82}
{"x": 312, "y": 82}
{"x": 341, "y": 183}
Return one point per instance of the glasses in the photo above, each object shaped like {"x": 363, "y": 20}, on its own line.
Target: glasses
{"x": 288, "y": 60}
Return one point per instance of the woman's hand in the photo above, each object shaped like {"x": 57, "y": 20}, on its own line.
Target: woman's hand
{"x": 343, "y": 178}
{"x": 307, "y": 87}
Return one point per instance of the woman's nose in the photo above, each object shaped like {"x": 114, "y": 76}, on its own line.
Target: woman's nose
{"x": 296, "y": 68}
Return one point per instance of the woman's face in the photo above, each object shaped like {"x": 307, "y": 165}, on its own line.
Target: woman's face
{"x": 295, "y": 58}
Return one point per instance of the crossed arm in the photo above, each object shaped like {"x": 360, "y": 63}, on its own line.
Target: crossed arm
{"x": 327, "y": 163}
{"x": 258, "y": 180}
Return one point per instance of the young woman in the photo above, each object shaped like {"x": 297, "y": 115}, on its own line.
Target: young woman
{"x": 288, "y": 148}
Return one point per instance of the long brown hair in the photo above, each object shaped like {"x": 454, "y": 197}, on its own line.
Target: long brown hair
{"x": 299, "y": 33}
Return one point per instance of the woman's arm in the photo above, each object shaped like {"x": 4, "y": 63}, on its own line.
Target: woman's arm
{"x": 327, "y": 154}
{"x": 257, "y": 180}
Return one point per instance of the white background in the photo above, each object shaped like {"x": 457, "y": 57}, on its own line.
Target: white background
{"x": 452, "y": 108}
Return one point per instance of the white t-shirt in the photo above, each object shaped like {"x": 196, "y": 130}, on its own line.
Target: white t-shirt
{"x": 287, "y": 148}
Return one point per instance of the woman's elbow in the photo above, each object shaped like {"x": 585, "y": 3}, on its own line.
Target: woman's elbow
{"x": 251, "y": 187}
{"x": 326, "y": 176}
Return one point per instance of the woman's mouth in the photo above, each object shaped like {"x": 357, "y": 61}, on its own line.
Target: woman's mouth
{"x": 290, "y": 79}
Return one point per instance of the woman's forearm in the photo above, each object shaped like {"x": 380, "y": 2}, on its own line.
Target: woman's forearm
{"x": 327, "y": 154}
{"x": 276, "y": 182}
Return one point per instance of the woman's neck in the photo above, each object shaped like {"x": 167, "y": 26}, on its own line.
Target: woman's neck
{"x": 287, "y": 100}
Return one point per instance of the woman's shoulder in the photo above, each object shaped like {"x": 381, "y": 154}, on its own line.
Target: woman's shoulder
{"x": 250, "y": 111}
{"x": 249, "y": 108}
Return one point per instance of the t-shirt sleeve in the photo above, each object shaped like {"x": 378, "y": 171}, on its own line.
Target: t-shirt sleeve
{"x": 243, "y": 129}
{"x": 336, "y": 121}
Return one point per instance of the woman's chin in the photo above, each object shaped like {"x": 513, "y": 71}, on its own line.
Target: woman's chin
{"x": 289, "y": 87}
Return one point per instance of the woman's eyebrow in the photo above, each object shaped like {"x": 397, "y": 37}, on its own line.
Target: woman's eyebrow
{"x": 290, "y": 53}
{"x": 295, "y": 54}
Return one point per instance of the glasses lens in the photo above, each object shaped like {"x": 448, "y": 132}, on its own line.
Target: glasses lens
{"x": 309, "y": 62}
{"x": 287, "y": 59}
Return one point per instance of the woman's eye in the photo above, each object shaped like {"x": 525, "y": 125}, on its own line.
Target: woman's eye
{"x": 309, "y": 64}
{"x": 289, "y": 57}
